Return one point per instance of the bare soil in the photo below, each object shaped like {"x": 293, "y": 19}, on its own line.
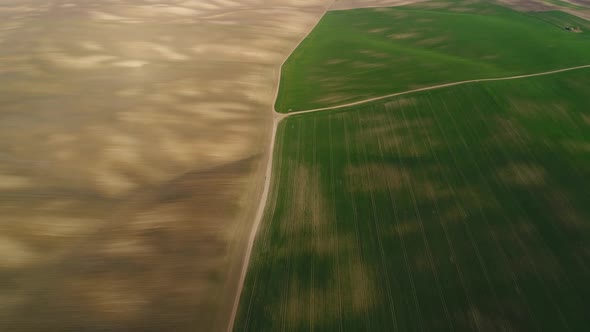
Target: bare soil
{"x": 131, "y": 144}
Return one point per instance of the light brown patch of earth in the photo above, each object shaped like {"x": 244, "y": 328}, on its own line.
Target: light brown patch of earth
{"x": 335, "y": 61}
{"x": 522, "y": 174}
{"x": 375, "y": 54}
{"x": 128, "y": 185}
{"x": 377, "y": 30}
{"x": 306, "y": 188}
{"x": 401, "y": 36}
{"x": 366, "y": 65}
{"x": 432, "y": 41}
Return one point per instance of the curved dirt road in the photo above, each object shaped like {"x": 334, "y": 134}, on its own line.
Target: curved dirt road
{"x": 360, "y": 102}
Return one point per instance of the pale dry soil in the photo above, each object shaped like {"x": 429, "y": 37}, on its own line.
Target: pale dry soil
{"x": 132, "y": 136}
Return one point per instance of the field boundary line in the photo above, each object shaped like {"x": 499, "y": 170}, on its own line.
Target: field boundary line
{"x": 276, "y": 118}
{"x": 434, "y": 87}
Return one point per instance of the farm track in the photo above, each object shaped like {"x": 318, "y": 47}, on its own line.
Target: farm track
{"x": 434, "y": 87}
{"x": 278, "y": 117}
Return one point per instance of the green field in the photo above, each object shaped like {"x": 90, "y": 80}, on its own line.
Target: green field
{"x": 464, "y": 208}
{"x": 355, "y": 54}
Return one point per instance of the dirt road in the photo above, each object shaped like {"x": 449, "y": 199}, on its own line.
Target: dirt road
{"x": 277, "y": 117}
{"x": 360, "y": 102}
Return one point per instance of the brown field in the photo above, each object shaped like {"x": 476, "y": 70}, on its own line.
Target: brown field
{"x": 131, "y": 140}
{"x": 582, "y": 11}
